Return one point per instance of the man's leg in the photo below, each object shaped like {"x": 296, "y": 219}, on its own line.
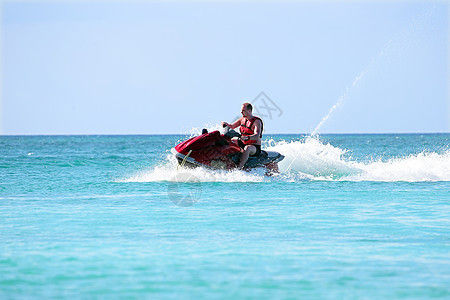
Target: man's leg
{"x": 248, "y": 150}
{"x": 235, "y": 140}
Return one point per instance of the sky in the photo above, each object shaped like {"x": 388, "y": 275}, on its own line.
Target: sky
{"x": 166, "y": 67}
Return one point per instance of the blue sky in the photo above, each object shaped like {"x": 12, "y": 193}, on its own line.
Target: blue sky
{"x": 154, "y": 67}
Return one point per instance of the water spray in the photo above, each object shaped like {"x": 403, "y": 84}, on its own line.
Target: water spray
{"x": 411, "y": 28}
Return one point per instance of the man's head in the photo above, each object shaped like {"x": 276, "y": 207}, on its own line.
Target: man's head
{"x": 246, "y": 110}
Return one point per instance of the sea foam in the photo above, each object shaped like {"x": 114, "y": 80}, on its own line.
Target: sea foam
{"x": 318, "y": 161}
{"x": 170, "y": 171}
{"x": 311, "y": 159}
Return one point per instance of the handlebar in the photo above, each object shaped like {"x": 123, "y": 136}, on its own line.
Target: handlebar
{"x": 231, "y": 134}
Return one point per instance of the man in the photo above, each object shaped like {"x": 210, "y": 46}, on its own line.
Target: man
{"x": 251, "y": 128}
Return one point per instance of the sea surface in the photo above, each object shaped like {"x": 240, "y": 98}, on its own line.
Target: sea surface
{"x": 349, "y": 217}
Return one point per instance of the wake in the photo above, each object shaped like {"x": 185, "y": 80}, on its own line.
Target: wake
{"x": 310, "y": 159}
{"x": 315, "y": 160}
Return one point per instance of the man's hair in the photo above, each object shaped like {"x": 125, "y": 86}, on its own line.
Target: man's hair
{"x": 248, "y": 106}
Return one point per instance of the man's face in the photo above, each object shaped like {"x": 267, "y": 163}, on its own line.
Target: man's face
{"x": 244, "y": 111}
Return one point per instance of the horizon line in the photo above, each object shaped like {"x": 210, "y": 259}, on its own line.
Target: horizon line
{"x": 184, "y": 134}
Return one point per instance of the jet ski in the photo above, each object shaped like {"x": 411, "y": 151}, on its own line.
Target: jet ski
{"x": 217, "y": 150}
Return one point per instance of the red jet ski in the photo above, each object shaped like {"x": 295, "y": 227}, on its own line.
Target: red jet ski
{"x": 216, "y": 150}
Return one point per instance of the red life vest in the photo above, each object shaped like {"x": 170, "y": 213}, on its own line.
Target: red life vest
{"x": 246, "y": 129}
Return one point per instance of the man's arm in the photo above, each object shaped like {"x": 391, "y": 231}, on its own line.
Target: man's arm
{"x": 234, "y": 125}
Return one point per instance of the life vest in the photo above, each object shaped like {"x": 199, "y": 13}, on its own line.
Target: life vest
{"x": 246, "y": 129}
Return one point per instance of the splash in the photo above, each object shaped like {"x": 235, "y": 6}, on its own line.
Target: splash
{"x": 341, "y": 100}
{"x": 310, "y": 159}
{"x": 414, "y": 168}
{"x": 168, "y": 171}
{"x": 196, "y": 131}
{"x": 338, "y": 103}
{"x": 398, "y": 42}
{"x": 318, "y": 161}
{"x": 314, "y": 160}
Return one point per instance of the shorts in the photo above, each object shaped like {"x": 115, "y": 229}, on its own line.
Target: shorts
{"x": 258, "y": 148}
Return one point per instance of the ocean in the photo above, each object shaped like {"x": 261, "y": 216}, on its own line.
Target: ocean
{"x": 349, "y": 217}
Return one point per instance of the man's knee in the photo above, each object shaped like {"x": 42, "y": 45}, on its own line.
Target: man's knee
{"x": 251, "y": 149}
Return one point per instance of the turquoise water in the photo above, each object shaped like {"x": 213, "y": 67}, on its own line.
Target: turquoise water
{"x": 350, "y": 216}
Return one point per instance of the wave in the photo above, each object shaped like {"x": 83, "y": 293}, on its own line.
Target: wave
{"x": 170, "y": 171}
{"x": 414, "y": 168}
{"x": 311, "y": 159}
{"x": 318, "y": 161}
